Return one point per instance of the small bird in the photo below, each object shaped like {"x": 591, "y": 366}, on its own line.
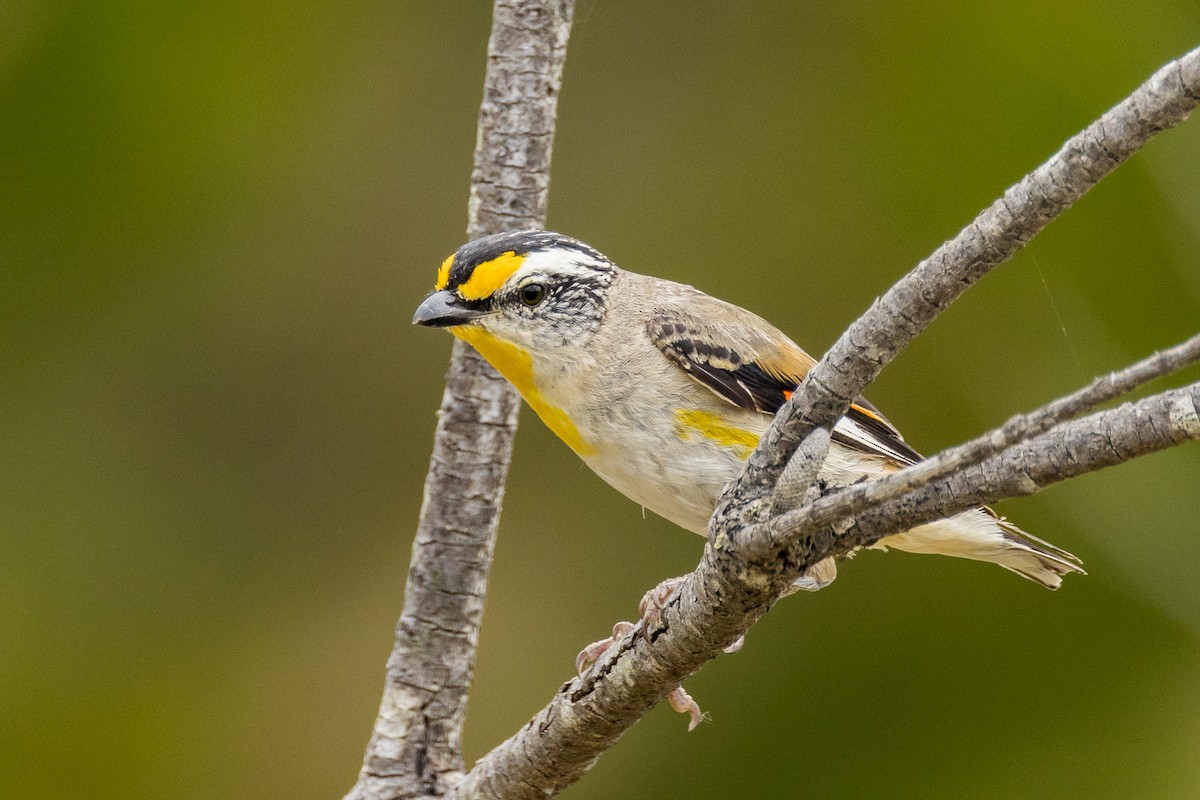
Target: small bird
{"x": 664, "y": 391}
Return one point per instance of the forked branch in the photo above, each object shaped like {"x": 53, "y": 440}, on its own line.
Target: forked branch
{"x": 751, "y": 560}
{"x": 1020, "y": 428}
{"x": 1000, "y": 231}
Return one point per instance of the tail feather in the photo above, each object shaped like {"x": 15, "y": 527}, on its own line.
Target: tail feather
{"x": 982, "y": 536}
{"x": 1036, "y": 559}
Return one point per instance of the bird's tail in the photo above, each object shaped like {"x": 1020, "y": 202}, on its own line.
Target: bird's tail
{"x": 1035, "y": 559}
{"x": 982, "y": 536}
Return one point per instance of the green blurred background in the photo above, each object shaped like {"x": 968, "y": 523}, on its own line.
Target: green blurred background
{"x": 216, "y": 219}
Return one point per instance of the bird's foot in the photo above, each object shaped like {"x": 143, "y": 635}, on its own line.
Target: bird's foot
{"x": 650, "y": 608}
{"x": 654, "y": 601}
{"x": 591, "y": 654}
{"x": 683, "y": 703}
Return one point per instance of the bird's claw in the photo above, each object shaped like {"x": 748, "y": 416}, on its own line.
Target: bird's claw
{"x": 654, "y": 601}
{"x": 650, "y": 608}
{"x": 590, "y": 654}
{"x": 683, "y": 703}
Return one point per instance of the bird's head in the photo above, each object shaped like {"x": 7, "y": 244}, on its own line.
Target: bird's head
{"x": 537, "y": 290}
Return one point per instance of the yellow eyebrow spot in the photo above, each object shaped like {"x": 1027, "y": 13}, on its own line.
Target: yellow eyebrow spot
{"x": 444, "y": 273}
{"x": 516, "y": 366}
{"x": 712, "y": 427}
{"x": 490, "y": 276}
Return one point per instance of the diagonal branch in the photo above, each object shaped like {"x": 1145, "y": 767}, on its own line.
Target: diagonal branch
{"x": 1002, "y": 229}
{"x": 724, "y": 596}
{"x": 1018, "y": 429}
{"x": 415, "y": 748}
{"x": 735, "y": 584}
{"x": 1075, "y": 448}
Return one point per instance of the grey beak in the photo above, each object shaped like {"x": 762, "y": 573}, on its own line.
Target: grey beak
{"x": 443, "y": 310}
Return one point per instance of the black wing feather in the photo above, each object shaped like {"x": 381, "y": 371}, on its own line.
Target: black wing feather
{"x": 725, "y": 382}
{"x": 729, "y": 373}
{"x": 742, "y": 380}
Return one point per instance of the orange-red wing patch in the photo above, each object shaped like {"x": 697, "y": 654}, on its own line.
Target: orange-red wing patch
{"x": 870, "y": 414}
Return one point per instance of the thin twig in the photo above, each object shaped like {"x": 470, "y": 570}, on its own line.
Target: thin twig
{"x": 1103, "y": 439}
{"x": 1021, "y": 427}
{"x": 875, "y": 338}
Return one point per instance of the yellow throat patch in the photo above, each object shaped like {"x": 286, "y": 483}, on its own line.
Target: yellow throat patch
{"x": 516, "y": 366}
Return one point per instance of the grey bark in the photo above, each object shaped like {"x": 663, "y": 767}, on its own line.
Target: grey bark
{"x": 1000, "y": 231}
{"x": 1012, "y": 432}
{"x": 752, "y": 558}
{"x": 726, "y": 593}
{"x": 1075, "y": 448}
{"x": 415, "y": 748}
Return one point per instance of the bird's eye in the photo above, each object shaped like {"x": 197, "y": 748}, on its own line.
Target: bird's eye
{"x": 532, "y": 294}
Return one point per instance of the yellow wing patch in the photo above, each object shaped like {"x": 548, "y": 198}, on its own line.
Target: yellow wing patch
{"x": 443, "y": 278}
{"x": 712, "y": 427}
{"x": 490, "y": 276}
{"x": 516, "y": 366}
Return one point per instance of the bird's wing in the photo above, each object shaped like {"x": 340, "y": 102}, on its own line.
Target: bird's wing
{"x": 746, "y": 361}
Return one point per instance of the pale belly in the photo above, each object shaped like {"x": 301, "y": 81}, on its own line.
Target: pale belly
{"x": 677, "y": 460}
{"x": 675, "y": 485}
{"x": 681, "y": 475}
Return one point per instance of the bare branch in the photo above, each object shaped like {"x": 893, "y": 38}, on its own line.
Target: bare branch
{"x": 1017, "y": 429}
{"x": 744, "y": 570}
{"x": 1076, "y": 448}
{"x": 415, "y": 748}
{"x": 728, "y": 592}
{"x": 874, "y": 339}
